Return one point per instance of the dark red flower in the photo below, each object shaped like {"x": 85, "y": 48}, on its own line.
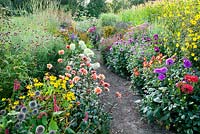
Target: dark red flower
{"x": 187, "y": 88}
{"x": 191, "y": 78}
{"x": 16, "y": 85}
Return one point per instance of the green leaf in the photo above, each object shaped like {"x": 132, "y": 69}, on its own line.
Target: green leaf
{"x": 44, "y": 120}
{"x": 165, "y": 117}
{"x": 57, "y": 113}
{"x": 69, "y": 131}
{"x": 53, "y": 125}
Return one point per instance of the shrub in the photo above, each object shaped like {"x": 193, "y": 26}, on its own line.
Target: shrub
{"x": 108, "y": 19}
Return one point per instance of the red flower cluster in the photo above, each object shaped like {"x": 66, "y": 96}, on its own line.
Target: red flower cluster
{"x": 191, "y": 78}
{"x": 187, "y": 88}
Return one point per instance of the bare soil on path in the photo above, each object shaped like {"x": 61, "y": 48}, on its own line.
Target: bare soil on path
{"x": 125, "y": 114}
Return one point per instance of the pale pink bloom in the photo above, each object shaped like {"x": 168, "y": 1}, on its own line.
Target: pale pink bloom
{"x": 101, "y": 82}
{"x": 68, "y": 46}
{"x": 98, "y": 90}
{"x": 93, "y": 72}
{"x": 62, "y": 77}
{"x": 76, "y": 79}
{"x": 82, "y": 65}
{"x": 94, "y": 76}
{"x": 68, "y": 68}
{"x": 68, "y": 75}
{"x": 105, "y": 84}
{"x": 49, "y": 66}
{"x": 83, "y": 71}
{"x": 60, "y": 60}
{"x": 101, "y": 77}
{"x": 118, "y": 94}
{"x": 86, "y": 117}
{"x": 61, "y": 52}
{"x": 73, "y": 72}
{"x": 106, "y": 89}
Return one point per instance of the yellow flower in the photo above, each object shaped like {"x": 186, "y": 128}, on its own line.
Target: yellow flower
{"x": 177, "y": 45}
{"x": 70, "y": 106}
{"x": 16, "y": 103}
{"x": 68, "y": 114}
{"x": 192, "y": 54}
{"x": 56, "y": 85}
{"x": 31, "y": 94}
{"x": 66, "y": 78}
{"x": 35, "y": 80}
{"x": 72, "y": 85}
{"x": 178, "y": 34}
{"x": 52, "y": 78}
{"x": 194, "y": 39}
{"x": 29, "y": 87}
{"x": 195, "y": 46}
{"x": 39, "y": 84}
{"x": 195, "y": 58}
{"x": 3, "y": 99}
{"x": 21, "y": 97}
{"x": 193, "y": 22}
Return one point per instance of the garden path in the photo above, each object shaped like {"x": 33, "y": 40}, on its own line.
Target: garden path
{"x": 125, "y": 114}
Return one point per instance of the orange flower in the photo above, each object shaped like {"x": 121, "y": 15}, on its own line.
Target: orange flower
{"x": 98, "y": 90}
{"x": 94, "y": 76}
{"x": 68, "y": 68}
{"x": 49, "y": 66}
{"x": 76, "y": 79}
{"x": 118, "y": 94}
{"x": 136, "y": 72}
{"x": 61, "y": 52}
{"x": 60, "y": 60}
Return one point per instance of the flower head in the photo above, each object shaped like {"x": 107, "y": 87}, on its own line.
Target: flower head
{"x": 156, "y": 49}
{"x": 40, "y": 129}
{"x": 23, "y": 109}
{"x": 16, "y": 85}
{"x": 187, "y": 88}
{"x": 72, "y": 46}
{"x": 118, "y": 94}
{"x": 61, "y": 52}
{"x": 169, "y": 61}
{"x": 49, "y": 66}
{"x": 191, "y": 78}
{"x": 37, "y": 93}
{"x": 155, "y": 36}
{"x": 21, "y": 116}
{"x": 98, "y": 90}
{"x": 32, "y": 104}
{"x": 52, "y": 132}
{"x": 161, "y": 77}
{"x": 35, "y": 111}
{"x": 60, "y": 60}
{"x": 187, "y": 63}
{"x": 162, "y": 70}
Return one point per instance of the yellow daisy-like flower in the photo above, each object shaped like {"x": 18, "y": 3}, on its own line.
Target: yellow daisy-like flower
{"x": 16, "y": 103}
{"x": 39, "y": 84}
{"x": 194, "y": 46}
{"x": 192, "y": 54}
{"x": 31, "y": 94}
{"x": 22, "y": 97}
{"x": 29, "y": 87}
{"x": 193, "y": 22}
{"x": 3, "y": 99}
{"x": 72, "y": 85}
{"x": 177, "y": 45}
{"x": 52, "y": 78}
{"x": 35, "y": 80}
{"x": 66, "y": 78}
{"x": 194, "y": 39}
{"x": 195, "y": 58}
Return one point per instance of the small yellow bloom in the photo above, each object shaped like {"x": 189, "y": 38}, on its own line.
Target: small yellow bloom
{"x": 52, "y": 78}
{"x": 3, "y": 99}
{"x": 195, "y": 58}
{"x": 31, "y": 94}
{"x": 68, "y": 114}
{"x": 195, "y": 46}
{"x": 72, "y": 85}
{"x": 29, "y": 87}
{"x": 66, "y": 78}
{"x": 177, "y": 45}
{"x": 21, "y": 97}
{"x": 178, "y": 34}
{"x": 194, "y": 39}
{"x": 192, "y": 54}
{"x": 35, "y": 80}
{"x": 193, "y": 22}
{"x": 16, "y": 103}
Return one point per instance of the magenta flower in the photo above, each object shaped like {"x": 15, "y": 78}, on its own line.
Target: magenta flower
{"x": 56, "y": 108}
{"x": 187, "y": 63}
{"x": 161, "y": 77}
{"x": 156, "y": 49}
{"x": 162, "y": 70}
{"x": 155, "y": 36}
{"x": 169, "y": 61}
{"x": 16, "y": 85}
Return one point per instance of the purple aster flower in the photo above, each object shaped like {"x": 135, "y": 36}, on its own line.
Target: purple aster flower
{"x": 156, "y": 49}
{"x": 187, "y": 63}
{"x": 161, "y": 77}
{"x": 162, "y": 70}
{"x": 169, "y": 61}
{"x": 155, "y": 36}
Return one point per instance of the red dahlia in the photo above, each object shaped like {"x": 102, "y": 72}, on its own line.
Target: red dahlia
{"x": 187, "y": 88}
{"x": 191, "y": 78}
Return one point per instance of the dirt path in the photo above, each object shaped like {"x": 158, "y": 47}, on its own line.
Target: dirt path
{"x": 126, "y": 117}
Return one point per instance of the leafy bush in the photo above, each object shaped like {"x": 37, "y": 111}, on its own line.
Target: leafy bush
{"x": 108, "y": 19}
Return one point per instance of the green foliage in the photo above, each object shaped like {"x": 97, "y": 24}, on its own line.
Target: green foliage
{"x": 108, "y": 19}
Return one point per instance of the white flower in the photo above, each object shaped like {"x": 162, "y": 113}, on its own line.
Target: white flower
{"x": 88, "y": 52}
{"x": 95, "y": 65}
{"x": 72, "y": 46}
{"x": 82, "y": 45}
